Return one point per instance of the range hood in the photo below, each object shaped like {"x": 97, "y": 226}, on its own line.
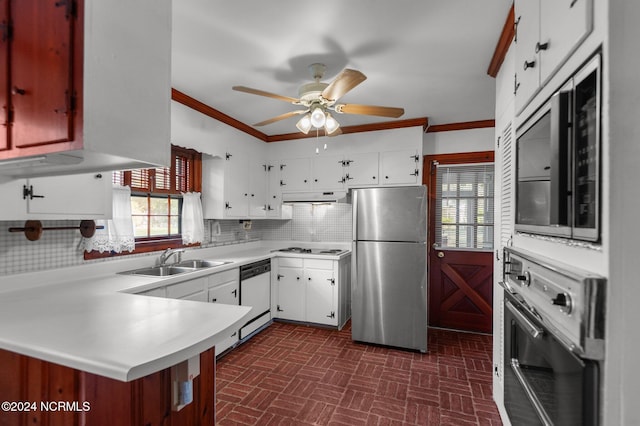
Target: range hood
{"x": 315, "y": 197}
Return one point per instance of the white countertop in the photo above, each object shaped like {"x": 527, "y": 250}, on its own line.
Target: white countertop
{"x": 87, "y": 318}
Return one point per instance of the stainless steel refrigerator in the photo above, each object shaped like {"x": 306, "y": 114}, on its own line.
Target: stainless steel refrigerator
{"x": 389, "y": 272}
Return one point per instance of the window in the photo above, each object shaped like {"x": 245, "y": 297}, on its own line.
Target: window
{"x": 156, "y": 199}
{"x": 464, "y": 206}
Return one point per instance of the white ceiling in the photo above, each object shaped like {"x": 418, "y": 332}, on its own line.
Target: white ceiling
{"x": 428, "y": 56}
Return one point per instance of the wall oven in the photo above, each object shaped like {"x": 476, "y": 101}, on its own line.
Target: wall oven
{"x": 554, "y": 342}
{"x": 558, "y": 161}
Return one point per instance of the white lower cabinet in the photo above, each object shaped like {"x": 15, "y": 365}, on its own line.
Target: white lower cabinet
{"x": 223, "y": 287}
{"x": 312, "y": 290}
{"x": 320, "y": 299}
{"x": 290, "y": 289}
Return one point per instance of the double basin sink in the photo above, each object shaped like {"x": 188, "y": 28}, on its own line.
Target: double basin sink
{"x": 182, "y": 267}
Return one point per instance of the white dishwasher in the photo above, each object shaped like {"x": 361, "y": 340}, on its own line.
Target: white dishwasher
{"x": 255, "y": 291}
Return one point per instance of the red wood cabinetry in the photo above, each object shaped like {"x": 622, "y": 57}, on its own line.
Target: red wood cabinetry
{"x": 99, "y": 400}
{"x": 40, "y": 69}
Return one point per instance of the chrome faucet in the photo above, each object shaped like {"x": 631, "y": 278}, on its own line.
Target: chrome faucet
{"x": 164, "y": 257}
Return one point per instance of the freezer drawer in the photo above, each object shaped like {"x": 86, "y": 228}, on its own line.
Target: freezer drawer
{"x": 389, "y": 294}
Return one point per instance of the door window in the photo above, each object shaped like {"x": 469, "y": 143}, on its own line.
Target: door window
{"x": 464, "y": 207}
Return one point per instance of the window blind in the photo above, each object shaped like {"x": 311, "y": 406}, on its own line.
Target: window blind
{"x": 464, "y": 206}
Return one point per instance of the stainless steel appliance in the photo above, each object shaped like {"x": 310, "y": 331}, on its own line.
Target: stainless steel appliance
{"x": 554, "y": 341}
{"x": 304, "y": 250}
{"x": 558, "y": 161}
{"x": 389, "y": 282}
{"x": 255, "y": 291}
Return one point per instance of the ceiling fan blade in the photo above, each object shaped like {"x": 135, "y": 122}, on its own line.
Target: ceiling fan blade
{"x": 281, "y": 117}
{"x": 380, "y": 111}
{"x": 267, "y": 94}
{"x": 345, "y": 81}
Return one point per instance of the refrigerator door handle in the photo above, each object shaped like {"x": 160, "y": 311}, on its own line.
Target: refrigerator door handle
{"x": 354, "y": 215}
{"x": 354, "y": 269}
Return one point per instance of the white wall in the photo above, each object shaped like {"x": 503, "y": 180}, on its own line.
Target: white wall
{"x": 378, "y": 141}
{"x": 458, "y": 141}
{"x": 623, "y": 102}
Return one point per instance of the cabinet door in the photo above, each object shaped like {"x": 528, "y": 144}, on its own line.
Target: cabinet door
{"x": 295, "y": 175}
{"x": 257, "y": 188}
{"x": 527, "y": 77}
{"x": 328, "y": 172}
{"x": 42, "y": 72}
{"x": 226, "y": 293}
{"x": 291, "y": 294}
{"x": 76, "y": 196}
{"x": 14, "y": 207}
{"x": 320, "y": 305}
{"x": 236, "y": 175}
{"x": 399, "y": 167}
{"x": 563, "y": 25}
{"x": 362, "y": 169}
{"x": 274, "y": 194}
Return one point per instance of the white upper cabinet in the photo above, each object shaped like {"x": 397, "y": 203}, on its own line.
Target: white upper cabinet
{"x": 563, "y": 26}
{"x": 547, "y": 33}
{"x": 328, "y": 172}
{"x": 361, "y": 169}
{"x": 235, "y": 187}
{"x": 295, "y": 175}
{"x": 400, "y": 167}
{"x": 84, "y": 196}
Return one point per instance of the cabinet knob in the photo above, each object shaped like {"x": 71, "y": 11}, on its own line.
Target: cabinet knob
{"x": 18, "y": 91}
{"x": 541, "y": 46}
{"x": 386, "y": 177}
{"x": 528, "y": 64}
{"x": 305, "y": 181}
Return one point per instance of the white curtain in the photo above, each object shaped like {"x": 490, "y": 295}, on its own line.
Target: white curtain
{"x": 117, "y": 235}
{"x": 192, "y": 219}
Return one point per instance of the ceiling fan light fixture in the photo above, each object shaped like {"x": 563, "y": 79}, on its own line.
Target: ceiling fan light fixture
{"x": 318, "y": 118}
{"x": 304, "y": 124}
{"x": 331, "y": 124}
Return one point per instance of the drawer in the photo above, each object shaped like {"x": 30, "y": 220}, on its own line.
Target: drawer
{"x": 180, "y": 290}
{"x": 291, "y": 262}
{"x": 223, "y": 277}
{"x": 318, "y": 264}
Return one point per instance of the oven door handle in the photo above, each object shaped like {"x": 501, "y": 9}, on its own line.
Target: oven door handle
{"x": 537, "y": 405}
{"x": 535, "y": 331}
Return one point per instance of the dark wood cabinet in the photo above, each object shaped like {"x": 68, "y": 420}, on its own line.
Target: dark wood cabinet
{"x": 100, "y": 400}
{"x": 40, "y": 69}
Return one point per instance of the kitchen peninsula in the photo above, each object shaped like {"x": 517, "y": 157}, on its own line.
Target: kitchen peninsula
{"x": 77, "y": 338}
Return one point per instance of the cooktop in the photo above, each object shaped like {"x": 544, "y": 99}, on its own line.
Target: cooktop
{"x": 328, "y": 251}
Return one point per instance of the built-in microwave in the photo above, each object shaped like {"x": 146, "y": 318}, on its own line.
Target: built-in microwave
{"x": 558, "y": 161}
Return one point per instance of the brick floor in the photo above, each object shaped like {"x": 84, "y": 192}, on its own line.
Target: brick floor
{"x": 297, "y": 375}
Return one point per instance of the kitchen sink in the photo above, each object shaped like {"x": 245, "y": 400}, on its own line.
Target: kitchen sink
{"x": 199, "y": 263}
{"x": 159, "y": 271}
{"x": 174, "y": 269}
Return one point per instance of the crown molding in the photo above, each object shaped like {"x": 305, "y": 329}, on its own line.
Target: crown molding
{"x": 508, "y": 32}
{"x": 205, "y": 109}
{"x": 465, "y": 125}
{"x": 372, "y": 127}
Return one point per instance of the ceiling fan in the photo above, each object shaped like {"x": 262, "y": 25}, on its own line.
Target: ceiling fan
{"x": 319, "y": 98}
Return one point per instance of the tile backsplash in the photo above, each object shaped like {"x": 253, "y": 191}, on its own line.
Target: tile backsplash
{"x": 58, "y": 249}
